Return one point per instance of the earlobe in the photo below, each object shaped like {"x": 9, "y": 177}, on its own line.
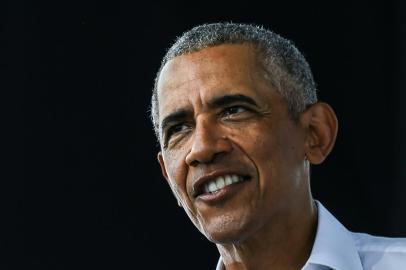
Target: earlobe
{"x": 322, "y": 132}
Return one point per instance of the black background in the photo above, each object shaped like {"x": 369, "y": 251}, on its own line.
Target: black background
{"x": 85, "y": 190}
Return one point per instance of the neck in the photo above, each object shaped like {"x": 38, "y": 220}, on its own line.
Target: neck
{"x": 280, "y": 245}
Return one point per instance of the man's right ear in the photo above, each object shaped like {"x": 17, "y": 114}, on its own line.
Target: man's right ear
{"x": 162, "y": 164}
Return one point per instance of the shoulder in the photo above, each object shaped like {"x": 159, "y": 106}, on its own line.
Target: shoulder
{"x": 380, "y": 252}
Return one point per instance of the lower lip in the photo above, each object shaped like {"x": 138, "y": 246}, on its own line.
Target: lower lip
{"x": 222, "y": 194}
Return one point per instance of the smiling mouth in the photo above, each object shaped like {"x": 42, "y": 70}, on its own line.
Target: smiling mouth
{"x": 218, "y": 183}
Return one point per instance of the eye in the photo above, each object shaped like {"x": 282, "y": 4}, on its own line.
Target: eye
{"x": 175, "y": 129}
{"x": 230, "y": 111}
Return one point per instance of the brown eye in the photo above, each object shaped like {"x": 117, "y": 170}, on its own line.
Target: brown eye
{"x": 234, "y": 110}
{"x": 173, "y": 130}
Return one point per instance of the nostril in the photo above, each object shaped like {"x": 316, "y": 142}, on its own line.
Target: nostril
{"x": 194, "y": 163}
{"x": 206, "y": 146}
{"x": 207, "y": 160}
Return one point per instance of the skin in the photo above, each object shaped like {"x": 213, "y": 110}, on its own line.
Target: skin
{"x": 269, "y": 221}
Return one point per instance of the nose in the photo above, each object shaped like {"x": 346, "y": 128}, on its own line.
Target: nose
{"x": 208, "y": 143}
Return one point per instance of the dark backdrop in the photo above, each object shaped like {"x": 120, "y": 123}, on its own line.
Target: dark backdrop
{"x": 85, "y": 190}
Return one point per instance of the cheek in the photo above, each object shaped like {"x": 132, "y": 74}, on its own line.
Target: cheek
{"x": 255, "y": 142}
{"x": 263, "y": 146}
{"x": 277, "y": 155}
{"x": 258, "y": 146}
{"x": 176, "y": 170}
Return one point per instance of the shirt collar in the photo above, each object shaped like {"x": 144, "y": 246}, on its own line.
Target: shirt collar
{"x": 333, "y": 246}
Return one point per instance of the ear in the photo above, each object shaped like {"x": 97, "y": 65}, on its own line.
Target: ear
{"x": 162, "y": 164}
{"x": 322, "y": 126}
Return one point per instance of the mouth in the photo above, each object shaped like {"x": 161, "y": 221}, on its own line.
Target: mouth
{"x": 212, "y": 186}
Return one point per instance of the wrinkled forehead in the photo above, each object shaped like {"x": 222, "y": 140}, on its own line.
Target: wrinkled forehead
{"x": 200, "y": 75}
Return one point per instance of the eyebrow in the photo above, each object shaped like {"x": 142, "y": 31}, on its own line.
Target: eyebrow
{"x": 216, "y": 102}
{"x": 225, "y": 100}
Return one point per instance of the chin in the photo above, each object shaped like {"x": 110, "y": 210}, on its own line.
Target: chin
{"x": 224, "y": 230}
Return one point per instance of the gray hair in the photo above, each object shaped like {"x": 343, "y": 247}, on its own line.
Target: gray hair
{"x": 286, "y": 68}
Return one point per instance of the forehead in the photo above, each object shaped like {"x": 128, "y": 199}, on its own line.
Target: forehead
{"x": 210, "y": 72}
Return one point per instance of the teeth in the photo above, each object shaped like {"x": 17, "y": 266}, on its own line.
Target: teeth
{"x": 229, "y": 180}
{"x": 212, "y": 187}
{"x": 220, "y": 182}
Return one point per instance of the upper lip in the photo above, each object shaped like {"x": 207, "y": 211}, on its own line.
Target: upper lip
{"x": 197, "y": 186}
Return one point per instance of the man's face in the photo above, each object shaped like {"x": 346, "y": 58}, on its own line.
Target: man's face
{"x": 229, "y": 149}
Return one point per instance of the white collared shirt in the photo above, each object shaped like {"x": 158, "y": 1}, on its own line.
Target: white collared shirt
{"x": 339, "y": 249}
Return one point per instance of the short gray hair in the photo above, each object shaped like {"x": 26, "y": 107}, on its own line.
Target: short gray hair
{"x": 286, "y": 68}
